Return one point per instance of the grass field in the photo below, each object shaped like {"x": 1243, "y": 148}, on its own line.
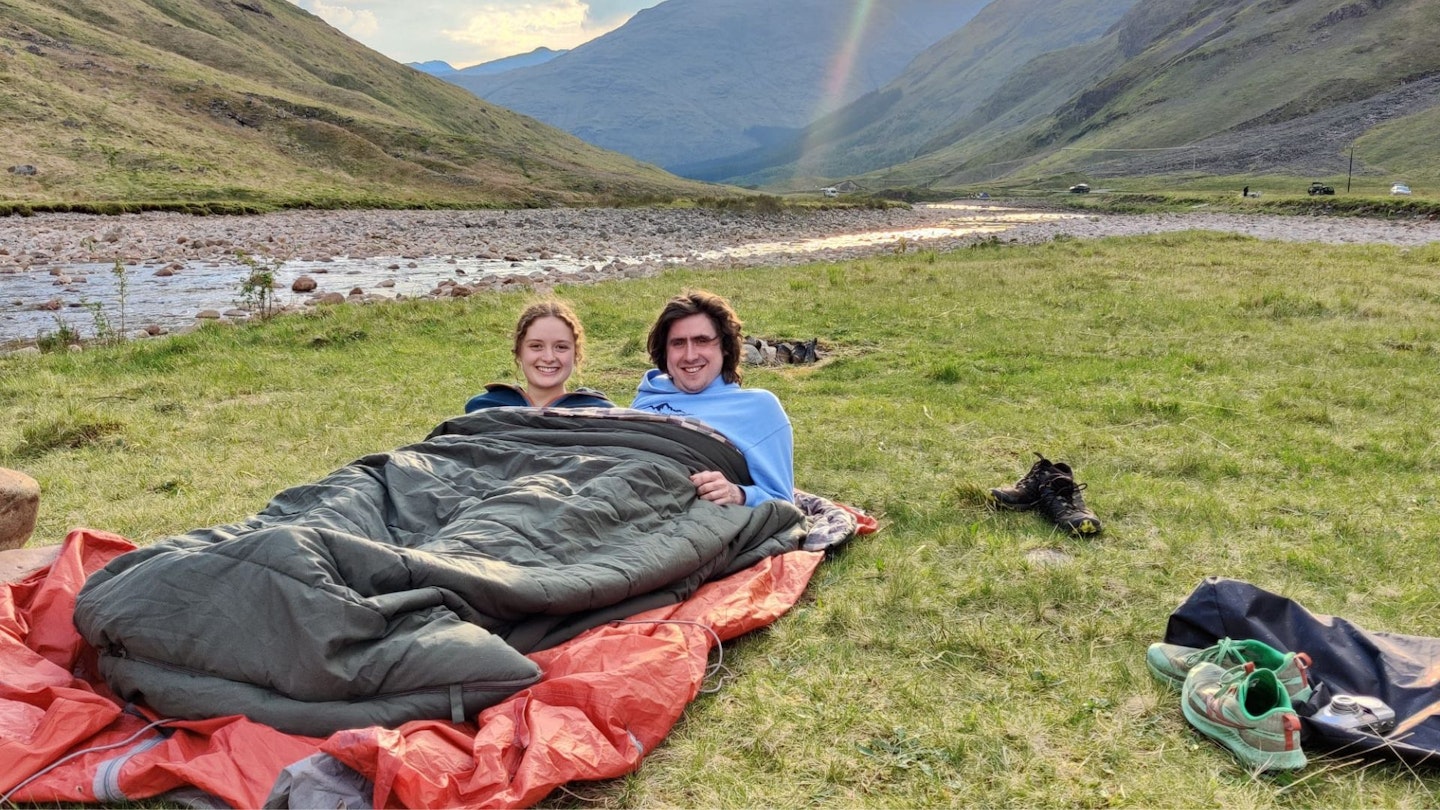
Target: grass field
{"x": 1237, "y": 408}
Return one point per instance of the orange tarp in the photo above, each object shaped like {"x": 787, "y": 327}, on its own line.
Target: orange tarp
{"x": 609, "y": 696}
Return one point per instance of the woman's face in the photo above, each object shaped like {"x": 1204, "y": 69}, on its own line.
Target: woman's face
{"x": 546, "y": 355}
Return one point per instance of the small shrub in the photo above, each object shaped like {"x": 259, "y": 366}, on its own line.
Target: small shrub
{"x": 257, "y": 289}
{"x": 122, "y": 288}
{"x": 104, "y": 332}
{"x": 63, "y": 336}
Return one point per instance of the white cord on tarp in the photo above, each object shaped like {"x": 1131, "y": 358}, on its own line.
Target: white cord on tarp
{"x": 710, "y": 671}
{"x": 82, "y": 752}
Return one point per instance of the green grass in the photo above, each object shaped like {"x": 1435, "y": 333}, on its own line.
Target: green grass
{"x": 223, "y": 108}
{"x": 1237, "y": 408}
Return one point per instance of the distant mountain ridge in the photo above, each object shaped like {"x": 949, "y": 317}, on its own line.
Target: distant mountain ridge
{"x": 692, "y": 79}
{"x": 259, "y": 100}
{"x": 443, "y": 69}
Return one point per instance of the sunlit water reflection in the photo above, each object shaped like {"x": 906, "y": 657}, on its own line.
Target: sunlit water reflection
{"x": 974, "y": 220}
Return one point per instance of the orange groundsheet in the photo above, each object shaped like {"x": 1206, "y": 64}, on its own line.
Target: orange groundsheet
{"x": 609, "y": 696}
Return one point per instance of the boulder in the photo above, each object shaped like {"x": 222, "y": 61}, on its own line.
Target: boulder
{"x": 19, "y": 505}
{"x": 19, "y": 563}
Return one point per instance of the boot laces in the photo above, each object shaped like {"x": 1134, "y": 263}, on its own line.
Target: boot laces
{"x": 1039, "y": 470}
{"x": 1066, "y": 489}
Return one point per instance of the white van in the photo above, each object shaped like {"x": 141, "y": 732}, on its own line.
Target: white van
{"x": 830, "y": 191}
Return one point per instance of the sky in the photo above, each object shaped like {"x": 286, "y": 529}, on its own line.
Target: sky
{"x": 468, "y": 32}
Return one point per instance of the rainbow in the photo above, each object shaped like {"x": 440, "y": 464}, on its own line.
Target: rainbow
{"x": 837, "y": 77}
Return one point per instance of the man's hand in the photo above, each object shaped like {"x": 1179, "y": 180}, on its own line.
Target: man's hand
{"x": 713, "y": 487}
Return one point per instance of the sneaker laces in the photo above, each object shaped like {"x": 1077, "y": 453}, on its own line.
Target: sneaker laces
{"x": 1215, "y": 654}
{"x": 1236, "y": 674}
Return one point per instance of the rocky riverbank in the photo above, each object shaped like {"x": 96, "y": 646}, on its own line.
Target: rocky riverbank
{"x": 45, "y": 259}
{"x": 58, "y": 240}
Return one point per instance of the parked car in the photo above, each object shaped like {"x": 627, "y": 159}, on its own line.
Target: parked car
{"x": 1320, "y": 188}
{"x": 830, "y": 191}
{"x": 1080, "y": 188}
{"x": 1400, "y": 188}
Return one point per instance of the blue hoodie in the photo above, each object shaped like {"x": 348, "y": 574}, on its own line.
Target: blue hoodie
{"x": 751, "y": 418}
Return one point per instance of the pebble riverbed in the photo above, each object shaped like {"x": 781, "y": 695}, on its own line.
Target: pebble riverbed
{"x": 60, "y": 268}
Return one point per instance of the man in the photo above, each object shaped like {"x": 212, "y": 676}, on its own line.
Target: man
{"x": 695, "y": 346}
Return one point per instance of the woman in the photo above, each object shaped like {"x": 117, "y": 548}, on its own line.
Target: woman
{"x": 549, "y": 343}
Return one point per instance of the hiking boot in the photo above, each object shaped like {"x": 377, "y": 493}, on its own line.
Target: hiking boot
{"x": 1061, "y": 501}
{"x": 1170, "y": 663}
{"x": 1246, "y": 710}
{"x": 1025, "y": 493}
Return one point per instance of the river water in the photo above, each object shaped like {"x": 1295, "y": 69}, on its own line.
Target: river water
{"x": 87, "y": 298}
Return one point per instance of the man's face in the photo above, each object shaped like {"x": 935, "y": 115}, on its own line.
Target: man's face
{"x": 693, "y": 355}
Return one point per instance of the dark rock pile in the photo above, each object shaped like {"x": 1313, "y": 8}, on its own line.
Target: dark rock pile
{"x": 762, "y": 352}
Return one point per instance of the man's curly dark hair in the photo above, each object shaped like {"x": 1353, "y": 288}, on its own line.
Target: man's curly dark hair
{"x": 720, "y": 313}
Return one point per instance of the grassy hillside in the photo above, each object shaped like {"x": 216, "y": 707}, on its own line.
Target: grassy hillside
{"x": 258, "y": 101}
{"x": 1226, "y": 88}
{"x": 1226, "y": 420}
{"x": 1405, "y": 147}
{"x": 943, "y": 86}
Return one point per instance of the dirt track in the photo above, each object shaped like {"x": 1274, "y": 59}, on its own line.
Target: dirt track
{"x": 1328, "y": 230}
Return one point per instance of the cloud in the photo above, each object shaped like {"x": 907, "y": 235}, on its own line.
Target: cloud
{"x": 358, "y": 25}
{"x": 503, "y": 29}
{"x": 609, "y": 14}
{"x": 466, "y": 32}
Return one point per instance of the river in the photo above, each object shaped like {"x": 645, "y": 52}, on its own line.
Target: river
{"x": 52, "y": 281}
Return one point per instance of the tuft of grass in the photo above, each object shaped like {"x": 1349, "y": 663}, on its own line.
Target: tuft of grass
{"x": 73, "y": 432}
{"x": 1235, "y": 407}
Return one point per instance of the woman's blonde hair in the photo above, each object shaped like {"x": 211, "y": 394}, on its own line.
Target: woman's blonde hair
{"x": 550, "y": 308}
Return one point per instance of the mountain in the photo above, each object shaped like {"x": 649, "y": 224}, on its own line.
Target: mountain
{"x": 940, "y": 89}
{"x": 445, "y": 70}
{"x": 1174, "y": 87}
{"x": 435, "y": 67}
{"x": 261, "y": 101}
{"x": 695, "y": 79}
{"x": 539, "y": 56}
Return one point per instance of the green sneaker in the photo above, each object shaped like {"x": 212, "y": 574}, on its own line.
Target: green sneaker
{"x": 1170, "y": 663}
{"x": 1246, "y": 710}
